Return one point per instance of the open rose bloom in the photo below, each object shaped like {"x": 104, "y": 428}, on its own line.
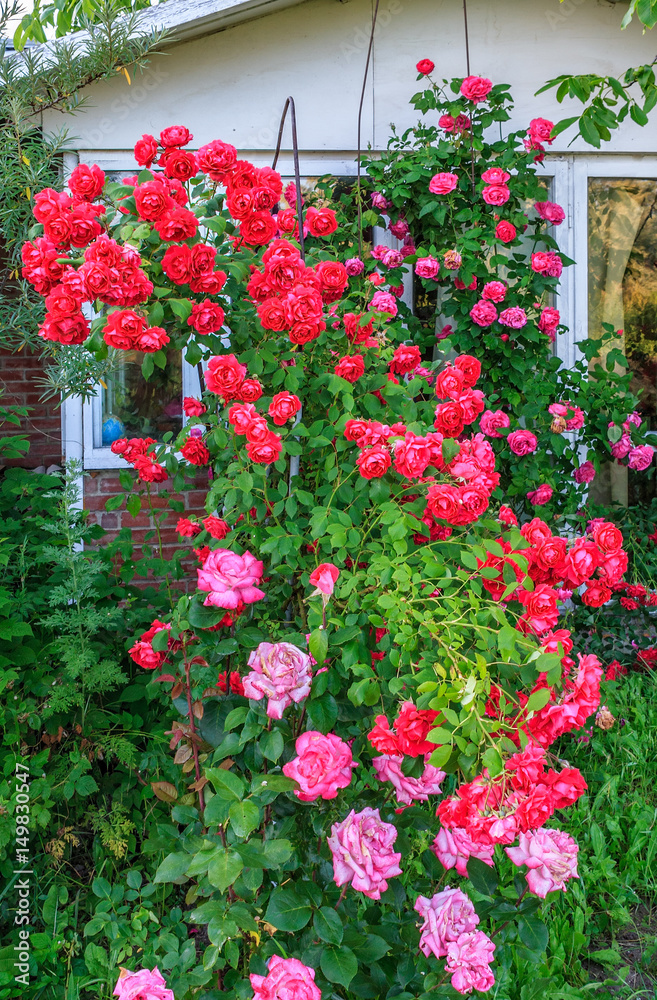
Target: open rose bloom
{"x": 281, "y": 673}
{"x": 363, "y": 855}
{"x": 145, "y": 984}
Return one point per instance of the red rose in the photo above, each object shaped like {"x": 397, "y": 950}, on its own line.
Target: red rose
{"x": 208, "y": 284}
{"x": 69, "y": 330}
{"x": 86, "y": 181}
{"x": 473, "y": 502}
{"x": 470, "y": 368}
{"x": 216, "y": 159}
{"x": 449, "y": 419}
{"x": 305, "y": 331}
{"x": 596, "y": 594}
{"x": 412, "y": 456}
{"x": 177, "y": 263}
{"x": 606, "y": 536}
{"x": 195, "y": 451}
{"x": 411, "y": 727}
{"x": 250, "y": 391}
{"x": 405, "y": 359}
{"x": 152, "y": 200}
{"x": 283, "y": 406}
{"x": 449, "y": 382}
{"x": 266, "y": 451}
{"x": 258, "y": 228}
{"x": 541, "y": 611}
{"x": 175, "y": 135}
{"x": 443, "y": 502}
{"x": 476, "y": 88}
{"x": 99, "y": 280}
{"x": 303, "y": 304}
{"x": 193, "y": 407}
{"x": 62, "y": 302}
{"x": 613, "y": 567}
{"x": 187, "y": 528}
{"x": 321, "y": 221}
{"x": 272, "y": 315}
{"x": 242, "y": 415}
{"x": 216, "y": 527}
{"x": 152, "y": 339}
{"x": 225, "y": 375}
{"x": 257, "y": 429}
{"x": 176, "y": 225}
{"x": 550, "y": 554}
{"x": 356, "y": 332}
{"x": 373, "y": 462}
{"x": 333, "y": 279}
{"x": 123, "y": 329}
{"x": 202, "y": 259}
{"x": 179, "y": 164}
{"x": 582, "y": 561}
{"x": 148, "y": 470}
{"x": 206, "y": 317}
{"x": 425, "y": 66}
{"x": 505, "y": 231}
{"x": 145, "y": 150}
{"x": 350, "y": 367}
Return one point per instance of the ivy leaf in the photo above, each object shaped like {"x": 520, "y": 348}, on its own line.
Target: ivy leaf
{"x": 223, "y": 871}
{"x": 339, "y": 965}
{"x": 288, "y": 912}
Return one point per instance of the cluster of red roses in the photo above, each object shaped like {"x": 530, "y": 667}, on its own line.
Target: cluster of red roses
{"x": 291, "y": 296}
{"x": 494, "y": 810}
{"x": 636, "y": 596}
{"x": 142, "y": 651}
{"x": 137, "y": 452}
{"x": 408, "y": 734}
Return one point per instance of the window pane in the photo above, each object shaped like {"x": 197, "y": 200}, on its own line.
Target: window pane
{"x": 623, "y": 292}
{"x": 133, "y": 407}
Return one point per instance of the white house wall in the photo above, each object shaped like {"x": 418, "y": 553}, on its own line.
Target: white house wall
{"x": 232, "y": 84}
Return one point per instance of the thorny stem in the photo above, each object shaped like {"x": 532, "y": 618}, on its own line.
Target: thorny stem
{"x": 192, "y": 726}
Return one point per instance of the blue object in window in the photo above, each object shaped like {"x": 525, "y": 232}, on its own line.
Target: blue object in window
{"x": 113, "y": 429}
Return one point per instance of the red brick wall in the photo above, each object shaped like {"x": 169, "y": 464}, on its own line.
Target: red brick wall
{"x": 19, "y": 374}
{"x": 100, "y": 485}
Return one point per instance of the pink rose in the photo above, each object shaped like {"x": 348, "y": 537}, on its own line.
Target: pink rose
{"x": 445, "y": 916}
{"x": 547, "y": 263}
{"x": 622, "y": 447}
{"x": 324, "y": 578}
{"x": 361, "y": 846}
{"x": 476, "y": 88}
{"x": 483, "y": 313}
{"x": 493, "y": 291}
{"x": 384, "y": 302}
{"x": 323, "y": 765}
{"x": 427, "y": 267}
{"x": 522, "y": 442}
{"x": 145, "y": 984}
{"x": 549, "y": 321}
{"x": 468, "y": 962}
{"x": 541, "y": 495}
{"x": 491, "y": 420}
{"x": 495, "y": 175}
{"x": 514, "y": 317}
{"x": 540, "y": 130}
{"x": 354, "y": 266}
{"x": 496, "y": 194}
{"x": 412, "y": 456}
{"x": 229, "y": 579}
{"x": 447, "y": 122}
{"x": 640, "y": 457}
{"x": 585, "y": 473}
{"x": 551, "y": 212}
{"x": 286, "y": 979}
{"x": 409, "y": 790}
{"x": 281, "y": 672}
{"x": 505, "y": 231}
{"x": 550, "y": 856}
{"x": 443, "y": 183}
{"x": 452, "y": 260}
{"x": 454, "y": 847}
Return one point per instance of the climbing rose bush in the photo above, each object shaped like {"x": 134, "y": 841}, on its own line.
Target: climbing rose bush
{"x": 368, "y": 672}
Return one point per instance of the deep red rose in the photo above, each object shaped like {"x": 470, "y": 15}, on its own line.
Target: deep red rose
{"x": 258, "y": 229}
{"x": 449, "y": 420}
{"x": 425, "y": 66}
{"x": 206, "y": 317}
{"x": 283, "y": 406}
{"x": 225, "y": 375}
{"x": 145, "y": 150}
{"x": 175, "y": 135}
{"x": 321, "y": 221}
{"x": 411, "y": 727}
{"x": 176, "y": 225}
{"x": 86, "y": 181}
{"x": 351, "y": 367}
{"x": 177, "y": 264}
{"x": 195, "y": 451}
{"x": 178, "y": 163}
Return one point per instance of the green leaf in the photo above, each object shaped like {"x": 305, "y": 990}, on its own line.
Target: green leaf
{"x": 223, "y": 871}
{"x": 133, "y": 505}
{"x": 227, "y": 785}
{"x": 244, "y": 817}
{"x": 538, "y": 700}
{"x": 113, "y": 503}
{"x": 182, "y": 308}
{"x": 339, "y": 965}
{"x": 287, "y": 911}
{"x": 202, "y": 617}
{"x": 318, "y": 644}
{"x": 322, "y": 713}
{"x": 101, "y": 888}
{"x": 173, "y": 867}
{"x": 272, "y": 744}
{"x": 328, "y": 926}
{"x": 532, "y": 931}
{"x": 483, "y": 878}
{"x": 147, "y": 366}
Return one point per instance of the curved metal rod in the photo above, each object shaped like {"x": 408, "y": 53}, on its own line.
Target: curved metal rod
{"x": 295, "y": 152}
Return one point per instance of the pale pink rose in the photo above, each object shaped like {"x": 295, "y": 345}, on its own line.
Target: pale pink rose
{"x": 286, "y": 979}
{"x": 491, "y": 420}
{"x": 443, "y": 183}
{"x": 522, "y": 442}
{"x": 324, "y": 578}
{"x": 427, "y": 267}
{"x": 494, "y": 291}
{"x": 550, "y": 856}
{"x": 514, "y": 317}
{"x": 323, "y": 765}
{"x": 454, "y": 848}
{"x": 145, "y": 984}
{"x": 541, "y": 495}
{"x": 468, "y": 962}
{"x": 585, "y": 473}
{"x": 281, "y": 672}
{"x": 452, "y": 260}
{"x": 622, "y": 447}
{"x": 392, "y": 258}
{"x": 384, "y": 302}
{"x": 409, "y": 790}
{"x": 550, "y": 211}
{"x": 354, "y": 266}
{"x": 445, "y": 916}
{"x": 230, "y": 578}
{"x": 483, "y": 313}
{"x": 361, "y": 846}
{"x": 640, "y": 457}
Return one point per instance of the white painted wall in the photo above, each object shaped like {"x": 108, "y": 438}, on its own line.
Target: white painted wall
{"x": 232, "y": 84}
